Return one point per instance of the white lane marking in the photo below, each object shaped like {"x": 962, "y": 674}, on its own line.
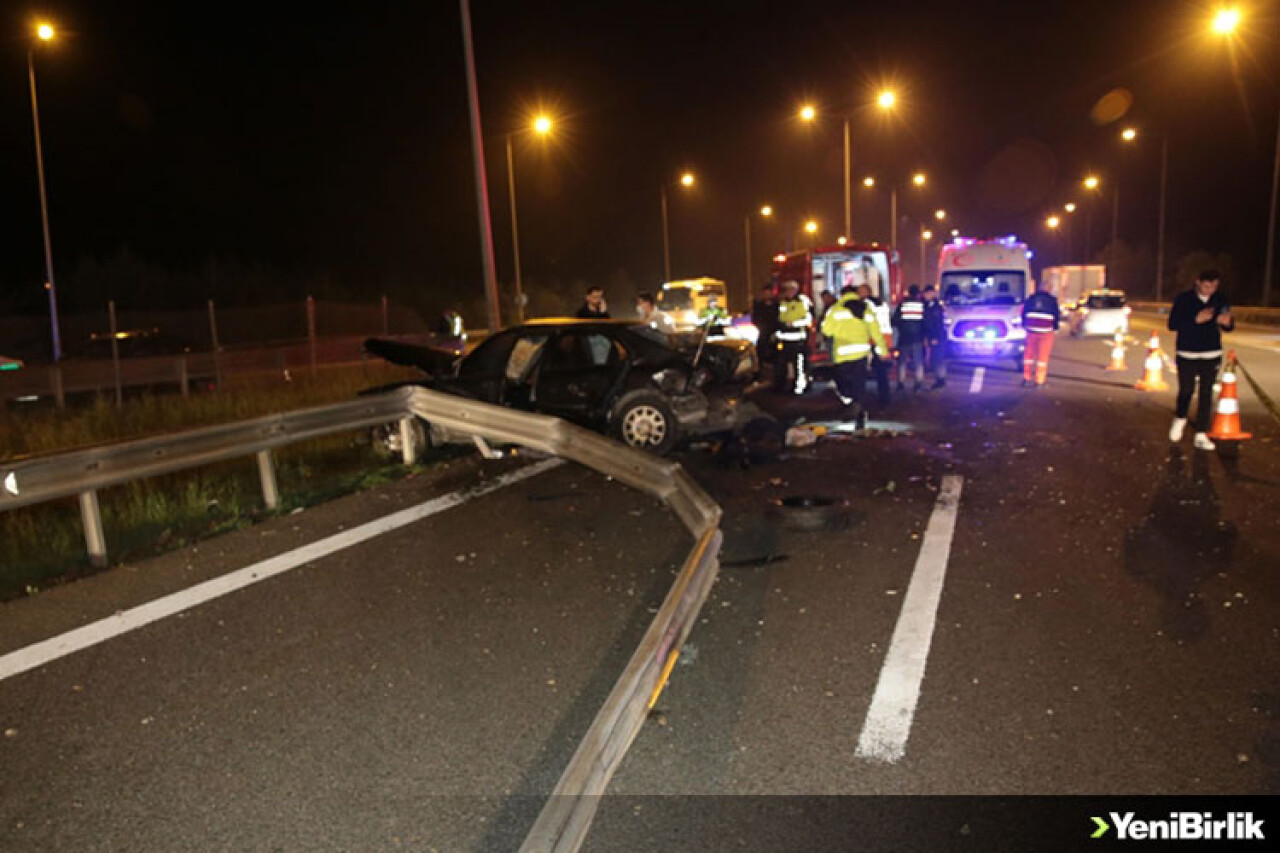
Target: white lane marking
{"x": 893, "y": 707}
{"x": 975, "y": 385}
{"x": 120, "y": 623}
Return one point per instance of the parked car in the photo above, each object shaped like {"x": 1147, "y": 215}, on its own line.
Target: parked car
{"x": 617, "y": 377}
{"x": 1100, "y": 312}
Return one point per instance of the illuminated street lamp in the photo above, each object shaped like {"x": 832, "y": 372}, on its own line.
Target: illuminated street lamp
{"x": 918, "y": 179}
{"x": 1225, "y": 21}
{"x": 925, "y": 236}
{"x": 687, "y": 180}
{"x": 1129, "y": 134}
{"x": 541, "y": 126}
{"x": 885, "y": 100}
{"x": 811, "y": 226}
{"x": 1090, "y": 183}
{"x": 939, "y": 214}
{"x": 44, "y": 32}
{"x": 1069, "y": 207}
{"x": 766, "y": 212}
{"x": 1053, "y": 222}
{"x": 868, "y": 181}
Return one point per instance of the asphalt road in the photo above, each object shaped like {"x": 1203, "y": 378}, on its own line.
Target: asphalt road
{"x": 1107, "y": 624}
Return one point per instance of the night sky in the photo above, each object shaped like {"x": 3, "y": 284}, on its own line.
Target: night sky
{"x": 330, "y": 142}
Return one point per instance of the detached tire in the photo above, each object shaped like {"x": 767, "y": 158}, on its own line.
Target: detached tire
{"x": 644, "y": 420}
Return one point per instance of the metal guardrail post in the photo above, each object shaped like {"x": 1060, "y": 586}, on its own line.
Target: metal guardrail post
{"x": 267, "y": 473}
{"x": 115, "y": 352}
{"x": 311, "y": 331}
{"x": 94, "y": 540}
{"x": 408, "y": 446}
{"x": 59, "y": 390}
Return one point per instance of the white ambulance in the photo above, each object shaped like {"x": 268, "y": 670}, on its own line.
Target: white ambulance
{"x": 983, "y": 284}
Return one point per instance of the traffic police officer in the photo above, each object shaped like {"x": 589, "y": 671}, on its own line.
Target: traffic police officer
{"x": 908, "y": 336}
{"x": 795, "y": 318}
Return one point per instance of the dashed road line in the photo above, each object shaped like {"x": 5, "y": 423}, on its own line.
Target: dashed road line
{"x": 39, "y": 654}
{"x": 975, "y": 384}
{"x": 893, "y": 707}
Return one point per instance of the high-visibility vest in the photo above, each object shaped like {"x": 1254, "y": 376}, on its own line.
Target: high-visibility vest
{"x": 911, "y": 311}
{"x": 795, "y": 316}
{"x": 853, "y": 337}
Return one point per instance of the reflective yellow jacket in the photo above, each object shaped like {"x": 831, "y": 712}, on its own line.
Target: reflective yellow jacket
{"x": 853, "y": 337}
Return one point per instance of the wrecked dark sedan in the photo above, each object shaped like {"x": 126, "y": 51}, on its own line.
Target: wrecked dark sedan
{"x": 618, "y": 377}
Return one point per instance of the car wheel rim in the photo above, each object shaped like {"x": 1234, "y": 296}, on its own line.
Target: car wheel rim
{"x": 644, "y": 425}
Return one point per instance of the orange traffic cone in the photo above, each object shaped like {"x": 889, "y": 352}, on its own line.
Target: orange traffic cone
{"x": 1153, "y": 378}
{"x": 1117, "y": 354}
{"x": 1226, "y": 421}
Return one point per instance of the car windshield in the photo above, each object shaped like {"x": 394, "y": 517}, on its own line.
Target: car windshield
{"x": 675, "y": 299}
{"x": 1000, "y": 287}
{"x": 1109, "y": 301}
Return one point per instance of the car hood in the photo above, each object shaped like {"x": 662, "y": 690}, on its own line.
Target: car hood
{"x": 430, "y": 360}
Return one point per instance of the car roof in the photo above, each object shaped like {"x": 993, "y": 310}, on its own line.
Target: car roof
{"x": 577, "y": 321}
{"x": 1106, "y": 291}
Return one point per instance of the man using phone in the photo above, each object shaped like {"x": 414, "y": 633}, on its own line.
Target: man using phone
{"x": 1199, "y": 316}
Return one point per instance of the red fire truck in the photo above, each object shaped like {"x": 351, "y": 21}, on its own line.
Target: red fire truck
{"x": 826, "y": 269}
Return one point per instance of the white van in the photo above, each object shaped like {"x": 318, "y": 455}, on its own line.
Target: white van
{"x": 983, "y": 284}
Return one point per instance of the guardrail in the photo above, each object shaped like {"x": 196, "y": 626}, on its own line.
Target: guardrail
{"x": 1243, "y": 313}
{"x": 563, "y": 822}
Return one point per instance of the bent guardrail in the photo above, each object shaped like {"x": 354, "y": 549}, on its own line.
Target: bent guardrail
{"x": 563, "y": 822}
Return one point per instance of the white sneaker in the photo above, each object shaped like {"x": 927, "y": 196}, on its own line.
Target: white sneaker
{"x": 1175, "y": 431}
{"x": 1202, "y": 442}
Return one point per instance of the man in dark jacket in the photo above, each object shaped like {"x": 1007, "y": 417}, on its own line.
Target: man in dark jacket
{"x": 1199, "y": 316}
{"x": 908, "y": 337}
{"x": 935, "y": 335}
{"x": 594, "y": 306}
{"x": 1040, "y": 317}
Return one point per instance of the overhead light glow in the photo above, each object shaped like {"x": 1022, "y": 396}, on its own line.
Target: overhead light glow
{"x": 868, "y": 181}
{"x": 1129, "y": 134}
{"x": 767, "y": 210}
{"x": 808, "y": 112}
{"x": 1225, "y": 21}
{"x": 918, "y": 179}
{"x": 45, "y": 32}
{"x": 687, "y": 179}
{"x": 542, "y": 125}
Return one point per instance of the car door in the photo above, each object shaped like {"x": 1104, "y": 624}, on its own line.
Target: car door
{"x": 578, "y": 371}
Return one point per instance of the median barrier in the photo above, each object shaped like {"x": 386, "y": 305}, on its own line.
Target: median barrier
{"x": 563, "y": 822}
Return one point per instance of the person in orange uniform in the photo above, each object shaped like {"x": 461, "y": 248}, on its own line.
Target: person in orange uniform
{"x": 1040, "y": 317}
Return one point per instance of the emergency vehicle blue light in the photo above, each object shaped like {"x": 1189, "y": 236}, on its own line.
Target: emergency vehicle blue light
{"x": 989, "y": 333}
{"x": 1030, "y": 254}
{"x": 969, "y": 334}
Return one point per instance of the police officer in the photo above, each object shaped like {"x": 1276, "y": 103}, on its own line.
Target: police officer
{"x": 795, "y": 318}
{"x": 935, "y": 335}
{"x": 856, "y": 337}
{"x": 908, "y": 337}
{"x": 1040, "y": 317}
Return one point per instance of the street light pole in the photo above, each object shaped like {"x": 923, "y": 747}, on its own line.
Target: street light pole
{"x": 1271, "y": 224}
{"x": 515, "y": 230}
{"x": 666, "y": 239}
{"x": 849, "y": 211}
{"x": 482, "y": 182}
{"x": 746, "y": 237}
{"x": 893, "y": 217}
{"x": 1164, "y": 181}
{"x": 44, "y": 214}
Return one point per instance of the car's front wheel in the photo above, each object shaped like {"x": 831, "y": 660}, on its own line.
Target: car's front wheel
{"x": 644, "y": 420}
